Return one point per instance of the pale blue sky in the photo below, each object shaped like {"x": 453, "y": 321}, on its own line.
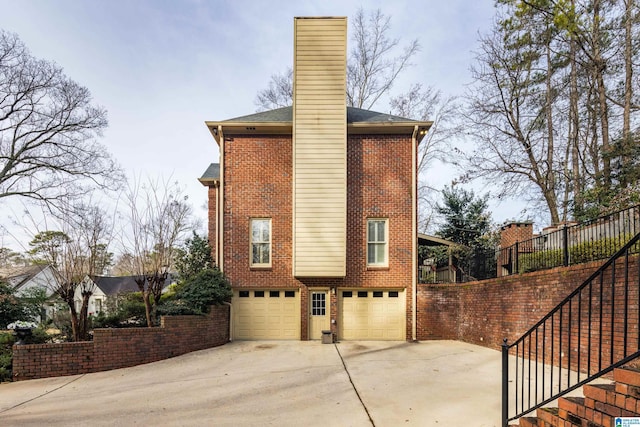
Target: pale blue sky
{"x": 161, "y": 68}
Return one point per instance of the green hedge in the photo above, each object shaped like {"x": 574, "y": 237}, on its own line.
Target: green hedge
{"x": 578, "y": 254}
{"x": 540, "y": 260}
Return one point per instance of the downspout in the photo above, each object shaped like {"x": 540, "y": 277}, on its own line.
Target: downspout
{"x": 220, "y": 224}
{"x": 220, "y": 211}
{"x": 217, "y": 230}
{"x": 414, "y": 233}
{"x": 230, "y": 320}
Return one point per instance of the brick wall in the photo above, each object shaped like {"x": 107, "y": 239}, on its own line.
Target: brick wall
{"x": 515, "y": 232}
{"x": 121, "y": 348}
{"x": 486, "y": 312}
{"x": 510, "y": 234}
{"x": 258, "y": 183}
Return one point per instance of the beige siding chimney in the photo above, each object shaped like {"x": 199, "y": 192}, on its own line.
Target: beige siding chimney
{"x": 319, "y": 147}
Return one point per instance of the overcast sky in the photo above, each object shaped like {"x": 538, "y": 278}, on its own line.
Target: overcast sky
{"x": 161, "y": 68}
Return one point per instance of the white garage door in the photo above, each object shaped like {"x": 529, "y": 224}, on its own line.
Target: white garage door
{"x": 266, "y": 315}
{"x": 372, "y": 315}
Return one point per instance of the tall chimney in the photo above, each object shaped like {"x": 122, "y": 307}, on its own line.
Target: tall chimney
{"x": 319, "y": 147}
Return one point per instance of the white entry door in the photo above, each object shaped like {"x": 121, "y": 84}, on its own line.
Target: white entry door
{"x": 319, "y": 315}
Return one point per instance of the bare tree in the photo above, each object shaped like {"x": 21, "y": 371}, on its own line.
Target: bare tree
{"x": 507, "y": 115}
{"x": 375, "y": 62}
{"x": 373, "y": 66}
{"x": 78, "y": 251}
{"x": 159, "y": 217}
{"x": 427, "y": 103}
{"x": 279, "y": 93}
{"x": 124, "y": 265}
{"x": 372, "y": 69}
{"x": 48, "y": 130}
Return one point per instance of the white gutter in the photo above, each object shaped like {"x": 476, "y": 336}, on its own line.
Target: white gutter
{"x": 230, "y": 320}
{"x": 220, "y": 212}
{"x": 414, "y": 233}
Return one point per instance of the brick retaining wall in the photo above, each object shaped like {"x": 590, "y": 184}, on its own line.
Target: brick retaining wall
{"x": 486, "y": 312}
{"x": 121, "y": 348}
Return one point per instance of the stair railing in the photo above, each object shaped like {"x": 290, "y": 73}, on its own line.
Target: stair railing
{"x": 592, "y": 331}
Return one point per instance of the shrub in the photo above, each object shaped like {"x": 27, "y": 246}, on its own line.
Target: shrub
{"x": 206, "y": 288}
{"x": 11, "y": 308}
{"x": 130, "y": 312}
{"x": 6, "y": 355}
{"x": 599, "y": 249}
{"x": 579, "y": 253}
{"x": 7, "y": 340}
{"x": 539, "y": 260}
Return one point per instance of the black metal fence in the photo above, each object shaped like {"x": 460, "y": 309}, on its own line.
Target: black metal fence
{"x": 564, "y": 245}
{"x": 570, "y": 244}
{"x": 591, "y": 332}
{"x": 481, "y": 265}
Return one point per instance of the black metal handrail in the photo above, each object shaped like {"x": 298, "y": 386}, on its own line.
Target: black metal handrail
{"x": 592, "y": 331}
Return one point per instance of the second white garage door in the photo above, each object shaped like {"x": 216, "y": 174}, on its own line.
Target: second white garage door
{"x": 372, "y": 315}
{"x": 266, "y": 315}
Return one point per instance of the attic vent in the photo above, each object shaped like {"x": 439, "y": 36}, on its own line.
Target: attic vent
{"x": 250, "y": 128}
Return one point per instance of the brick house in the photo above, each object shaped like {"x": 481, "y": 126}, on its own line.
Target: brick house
{"x": 312, "y": 208}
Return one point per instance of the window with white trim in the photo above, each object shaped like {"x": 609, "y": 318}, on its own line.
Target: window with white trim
{"x": 261, "y": 242}
{"x": 377, "y": 242}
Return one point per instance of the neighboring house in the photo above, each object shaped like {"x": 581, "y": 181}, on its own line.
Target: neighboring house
{"x": 429, "y": 271}
{"x": 23, "y": 279}
{"x": 313, "y": 208}
{"x": 106, "y": 290}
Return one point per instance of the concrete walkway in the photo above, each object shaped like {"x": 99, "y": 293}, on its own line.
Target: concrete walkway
{"x": 276, "y": 383}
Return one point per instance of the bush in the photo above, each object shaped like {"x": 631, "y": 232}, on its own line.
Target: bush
{"x": 206, "y": 288}
{"x": 103, "y": 320}
{"x": 11, "y": 308}
{"x": 540, "y": 260}
{"x": 579, "y": 253}
{"x": 599, "y": 249}
{"x": 38, "y": 336}
{"x": 7, "y": 340}
{"x": 130, "y": 312}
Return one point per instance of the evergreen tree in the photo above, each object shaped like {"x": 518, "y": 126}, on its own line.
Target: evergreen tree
{"x": 466, "y": 216}
{"x": 195, "y": 257}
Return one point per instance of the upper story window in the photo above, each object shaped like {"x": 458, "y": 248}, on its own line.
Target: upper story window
{"x": 261, "y": 242}
{"x": 377, "y": 242}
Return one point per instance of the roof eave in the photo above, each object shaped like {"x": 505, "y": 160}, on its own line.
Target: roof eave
{"x": 279, "y": 128}
{"x": 248, "y": 128}
{"x": 390, "y": 128}
{"x": 209, "y": 182}
{"x": 435, "y": 239}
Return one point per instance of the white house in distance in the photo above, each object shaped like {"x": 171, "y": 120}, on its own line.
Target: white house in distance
{"x": 104, "y": 290}
{"x": 23, "y": 279}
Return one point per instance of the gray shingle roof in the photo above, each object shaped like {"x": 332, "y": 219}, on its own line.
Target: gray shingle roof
{"x": 17, "y": 276}
{"x": 212, "y": 172}
{"x": 285, "y": 115}
{"x": 116, "y": 285}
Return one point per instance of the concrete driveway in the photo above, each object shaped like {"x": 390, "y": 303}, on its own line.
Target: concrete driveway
{"x": 275, "y": 383}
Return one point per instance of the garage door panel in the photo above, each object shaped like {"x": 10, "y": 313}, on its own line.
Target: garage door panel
{"x": 365, "y": 317}
{"x": 266, "y": 317}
